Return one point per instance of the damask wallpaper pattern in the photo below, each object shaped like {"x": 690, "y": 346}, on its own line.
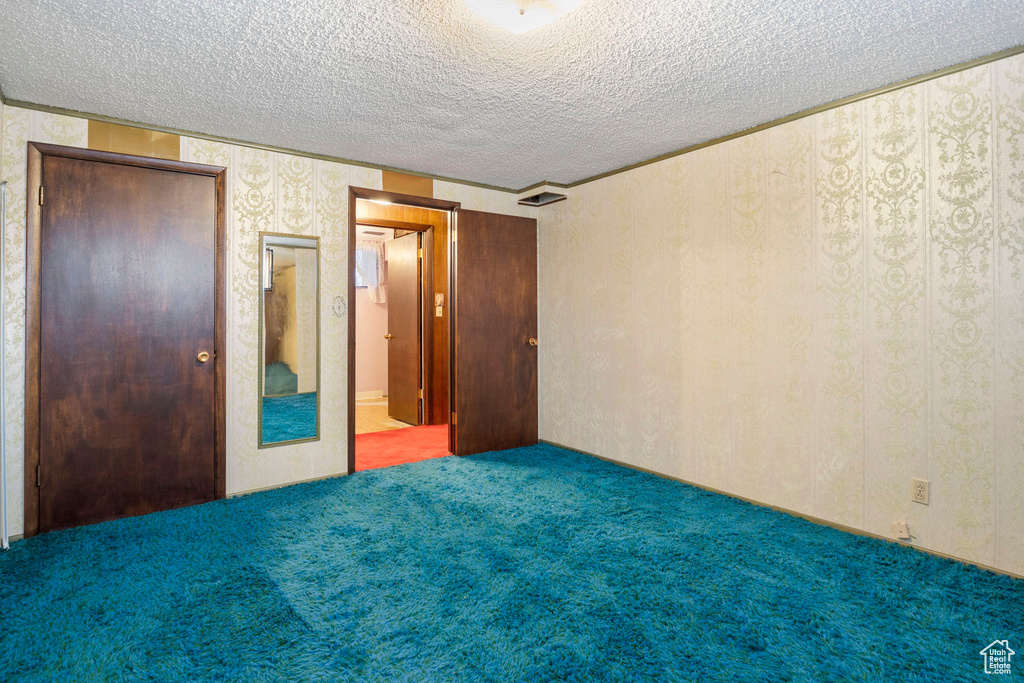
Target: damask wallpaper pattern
{"x": 811, "y": 315}
{"x": 267, "y": 191}
{"x": 273, "y": 192}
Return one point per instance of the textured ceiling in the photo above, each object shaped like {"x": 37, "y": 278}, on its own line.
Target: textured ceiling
{"x": 428, "y": 86}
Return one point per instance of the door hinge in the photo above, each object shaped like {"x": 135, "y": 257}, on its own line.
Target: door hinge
{"x": 453, "y": 419}
{"x": 40, "y": 195}
{"x": 419, "y": 252}
{"x": 39, "y": 476}
{"x": 421, "y": 393}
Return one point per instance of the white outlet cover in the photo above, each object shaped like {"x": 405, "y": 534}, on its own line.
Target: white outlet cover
{"x": 900, "y": 530}
{"x": 920, "y": 490}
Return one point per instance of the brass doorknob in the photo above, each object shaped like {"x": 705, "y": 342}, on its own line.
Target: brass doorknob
{"x": 203, "y": 357}
{"x": 533, "y": 342}
{"x": 387, "y": 336}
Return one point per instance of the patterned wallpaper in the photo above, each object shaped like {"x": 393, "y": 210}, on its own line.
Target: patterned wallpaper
{"x": 811, "y": 315}
{"x": 275, "y": 192}
{"x": 267, "y": 191}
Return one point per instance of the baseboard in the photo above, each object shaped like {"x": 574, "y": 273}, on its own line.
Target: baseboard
{"x": 370, "y": 394}
{"x": 238, "y": 494}
{"x": 810, "y": 518}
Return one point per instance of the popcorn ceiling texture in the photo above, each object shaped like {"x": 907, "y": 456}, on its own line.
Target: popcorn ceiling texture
{"x": 430, "y": 87}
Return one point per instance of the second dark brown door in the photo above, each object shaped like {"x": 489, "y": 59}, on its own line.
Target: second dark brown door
{"x": 404, "y": 344}
{"x": 495, "y": 329}
{"x": 127, "y": 288}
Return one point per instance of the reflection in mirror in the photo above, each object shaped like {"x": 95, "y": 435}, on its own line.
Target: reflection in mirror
{"x": 290, "y": 330}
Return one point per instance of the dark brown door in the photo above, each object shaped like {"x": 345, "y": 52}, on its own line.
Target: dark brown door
{"x": 404, "y": 310}
{"x": 495, "y": 319}
{"x": 127, "y": 291}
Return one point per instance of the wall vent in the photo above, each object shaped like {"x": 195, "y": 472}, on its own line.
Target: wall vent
{"x": 542, "y": 199}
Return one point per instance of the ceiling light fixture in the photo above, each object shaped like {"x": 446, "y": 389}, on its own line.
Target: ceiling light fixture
{"x": 520, "y": 16}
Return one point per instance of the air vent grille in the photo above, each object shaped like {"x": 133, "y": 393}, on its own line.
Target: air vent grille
{"x": 542, "y": 199}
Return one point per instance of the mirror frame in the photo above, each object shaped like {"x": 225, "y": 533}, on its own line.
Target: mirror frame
{"x": 280, "y": 239}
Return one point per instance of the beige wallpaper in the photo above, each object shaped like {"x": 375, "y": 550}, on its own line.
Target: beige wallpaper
{"x": 267, "y": 191}
{"x": 481, "y": 199}
{"x": 811, "y": 315}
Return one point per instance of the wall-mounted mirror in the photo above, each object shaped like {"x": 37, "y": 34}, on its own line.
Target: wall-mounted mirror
{"x": 289, "y": 382}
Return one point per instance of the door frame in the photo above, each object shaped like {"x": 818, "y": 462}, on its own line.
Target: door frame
{"x": 355, "y": 193}
{"x": 33, "y": 317}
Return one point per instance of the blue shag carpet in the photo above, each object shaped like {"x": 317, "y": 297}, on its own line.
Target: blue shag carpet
{"x": 533, "y": 564}
{"x": 286, "y": 418}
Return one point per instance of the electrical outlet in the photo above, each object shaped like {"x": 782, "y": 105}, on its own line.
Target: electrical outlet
{"x": 919, "y": 491}
{"x": 900, "y": 530}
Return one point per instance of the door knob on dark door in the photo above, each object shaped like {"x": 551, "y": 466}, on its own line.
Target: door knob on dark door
{"x": 533, "y": 342}
{"x": 203, "y": 357}
{"x": 387, "y": 336}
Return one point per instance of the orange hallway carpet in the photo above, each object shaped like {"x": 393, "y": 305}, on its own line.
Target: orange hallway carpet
{"x": 398, "y": 446}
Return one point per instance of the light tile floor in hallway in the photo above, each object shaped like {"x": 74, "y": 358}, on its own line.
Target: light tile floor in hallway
{"x": 372, "y": 416}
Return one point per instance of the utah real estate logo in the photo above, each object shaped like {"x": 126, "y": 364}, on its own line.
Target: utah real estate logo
{"x": 997, "y": 657}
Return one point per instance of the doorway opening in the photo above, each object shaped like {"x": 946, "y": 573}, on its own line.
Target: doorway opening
{"x": 401, "y": 304}
{"x": 477, "y": 359}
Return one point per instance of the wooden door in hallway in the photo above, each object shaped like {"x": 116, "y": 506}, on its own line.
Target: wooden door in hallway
{"x": 404, "y": 331}
{"x": 124, "y": 389}
{"x": 494, "y": 378}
